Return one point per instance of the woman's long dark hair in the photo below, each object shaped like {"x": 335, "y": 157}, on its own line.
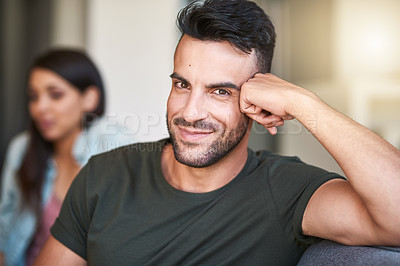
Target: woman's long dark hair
{"x": 76, "y": 68}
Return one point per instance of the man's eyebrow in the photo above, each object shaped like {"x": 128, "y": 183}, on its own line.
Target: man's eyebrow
{"x": 176, "y": 76}
{"x": 223, "y": 85}
{"x": 210, "y": 86}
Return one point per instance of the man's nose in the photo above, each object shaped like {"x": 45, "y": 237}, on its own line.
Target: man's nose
{"x": 196, "y": 107}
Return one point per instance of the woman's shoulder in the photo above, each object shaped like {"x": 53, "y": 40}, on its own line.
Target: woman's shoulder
{"x": 20, "y": 140}
{"x": 14, "y": 155}
{"x": 101, "y": 136}
{"x": 17, "y": 147}
{"x": 110, "y": 130}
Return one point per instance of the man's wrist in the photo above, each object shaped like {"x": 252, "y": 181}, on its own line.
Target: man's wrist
{"x": 305, "y": 108}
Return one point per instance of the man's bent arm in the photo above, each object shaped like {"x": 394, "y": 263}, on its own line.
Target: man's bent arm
{"x": 55, "y": 253}
{"x": 364, "y": 210}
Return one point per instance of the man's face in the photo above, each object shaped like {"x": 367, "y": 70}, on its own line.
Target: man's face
{"x": 203, "y": 115}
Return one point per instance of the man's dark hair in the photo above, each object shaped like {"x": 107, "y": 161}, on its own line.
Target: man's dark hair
{"x": 242, "y": 23}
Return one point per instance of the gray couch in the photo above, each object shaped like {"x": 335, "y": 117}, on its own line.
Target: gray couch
{"x": 328, "y": 253}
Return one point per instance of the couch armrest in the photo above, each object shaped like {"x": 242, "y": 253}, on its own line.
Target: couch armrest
{"x": 331, "y": 253}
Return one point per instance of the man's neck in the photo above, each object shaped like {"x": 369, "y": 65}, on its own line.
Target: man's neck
{"x": 206, "y": 179}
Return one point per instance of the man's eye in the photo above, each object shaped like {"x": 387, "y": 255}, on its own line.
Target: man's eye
{"x": 221, "y": 92}
{"x": 184, "y": 85}
{"x": 181, "y": 85}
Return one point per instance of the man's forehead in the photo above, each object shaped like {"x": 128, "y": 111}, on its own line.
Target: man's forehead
{"x": 188, "y": 42}
{"x": 218, "y": 61}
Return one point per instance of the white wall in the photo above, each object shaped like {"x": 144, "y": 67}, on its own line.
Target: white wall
{"x": 68, "y": 23}
{"x": 367, "y": 38}
{"x": 133, "y": 43}
{"x": 368, "y": 61}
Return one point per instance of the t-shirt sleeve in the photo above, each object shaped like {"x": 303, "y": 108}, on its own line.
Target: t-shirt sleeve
{"x": 71, "y": 226}
{"x": 292, "y": 184}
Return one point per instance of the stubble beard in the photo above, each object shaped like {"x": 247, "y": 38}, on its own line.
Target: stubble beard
{"x": 203, "y": 155}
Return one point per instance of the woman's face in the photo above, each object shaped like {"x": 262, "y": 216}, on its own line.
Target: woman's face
{"x": 55, "y": 105}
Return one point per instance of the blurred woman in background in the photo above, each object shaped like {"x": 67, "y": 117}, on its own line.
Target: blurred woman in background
{"x": 66, "y": 100}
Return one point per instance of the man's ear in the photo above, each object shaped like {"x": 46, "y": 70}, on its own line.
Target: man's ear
{"x": 91, "y": 98}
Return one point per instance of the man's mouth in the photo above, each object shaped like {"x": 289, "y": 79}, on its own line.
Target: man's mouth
{"x": 193, "y": 134}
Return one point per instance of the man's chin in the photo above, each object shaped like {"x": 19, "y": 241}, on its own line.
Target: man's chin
{"x": 194, "y": 154}
{"x": 196, "y": 163}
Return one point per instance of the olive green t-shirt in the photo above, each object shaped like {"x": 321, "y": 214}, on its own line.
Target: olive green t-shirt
{"x": 120, "y": 210}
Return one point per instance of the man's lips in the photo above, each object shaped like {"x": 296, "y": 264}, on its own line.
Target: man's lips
{"x": 192, "y": 134}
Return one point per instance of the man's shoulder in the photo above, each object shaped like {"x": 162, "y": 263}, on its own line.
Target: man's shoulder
{"x": 271, "y": 158}
{"x": 276, "y": 165}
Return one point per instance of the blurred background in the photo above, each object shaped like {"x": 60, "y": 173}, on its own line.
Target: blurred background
{"x": 347, "y": 52}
